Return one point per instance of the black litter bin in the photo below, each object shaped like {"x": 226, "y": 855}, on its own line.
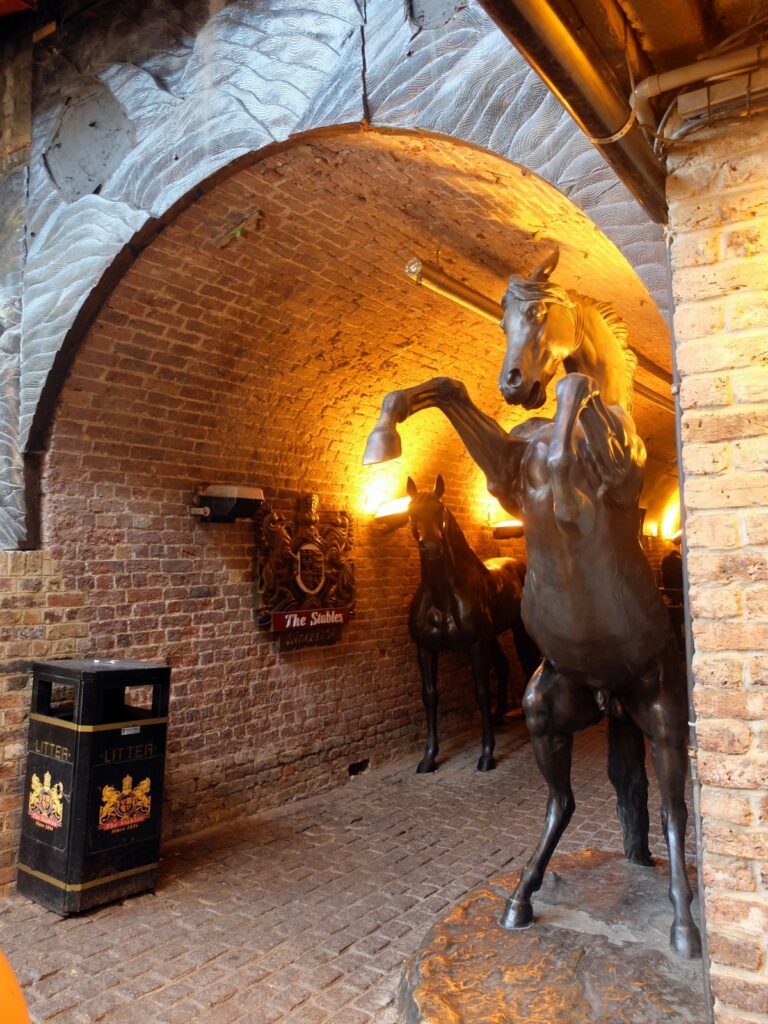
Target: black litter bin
{"x": 94, "y": 785}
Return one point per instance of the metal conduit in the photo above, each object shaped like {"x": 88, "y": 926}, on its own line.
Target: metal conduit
{"x": 584, "y": 83}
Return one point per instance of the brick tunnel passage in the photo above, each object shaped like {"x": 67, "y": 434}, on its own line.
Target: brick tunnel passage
{"x": 252, "y": 342}
{"x": 305, "y": 915}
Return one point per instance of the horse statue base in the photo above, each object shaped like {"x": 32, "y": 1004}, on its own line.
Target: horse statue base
{"x": 567, "y": 968}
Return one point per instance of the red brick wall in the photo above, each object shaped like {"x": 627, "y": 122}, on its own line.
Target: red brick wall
{"x": 719, "y": 222}
{"x": 252, "y": 342}
{"x": 258, "y": 358}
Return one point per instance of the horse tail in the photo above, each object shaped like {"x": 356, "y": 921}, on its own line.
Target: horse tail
{"x": 626, "y": 770}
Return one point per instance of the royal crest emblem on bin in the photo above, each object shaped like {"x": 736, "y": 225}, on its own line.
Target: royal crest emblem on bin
{"x": 125, "y": 807}
{"x": 46, "y": 801}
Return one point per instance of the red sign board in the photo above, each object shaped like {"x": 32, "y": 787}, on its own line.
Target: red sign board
{"x": 307, "y": 618}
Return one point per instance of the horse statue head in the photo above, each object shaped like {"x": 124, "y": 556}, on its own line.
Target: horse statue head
{"x": 540, "y": 321}
{"x": 428, "y": 517}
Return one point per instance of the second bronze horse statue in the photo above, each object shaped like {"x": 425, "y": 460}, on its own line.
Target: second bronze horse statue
{"x": 463, "y": 604}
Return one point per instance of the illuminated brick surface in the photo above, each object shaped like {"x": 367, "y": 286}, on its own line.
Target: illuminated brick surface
{"x": 252, "y": 342}
{"x": 719, "y": 227}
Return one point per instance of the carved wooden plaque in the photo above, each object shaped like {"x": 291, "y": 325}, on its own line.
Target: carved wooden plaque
{"x": 304, "y": 573}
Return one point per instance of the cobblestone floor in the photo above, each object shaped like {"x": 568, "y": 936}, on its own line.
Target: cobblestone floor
{"x": 304, "y": 915}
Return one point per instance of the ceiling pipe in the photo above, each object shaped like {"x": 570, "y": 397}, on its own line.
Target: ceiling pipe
{"x": 653, "y": 396}
{"x": 584, "y": 83}
{"x": 727, "y": 63}
{"x": 433, "y": 278}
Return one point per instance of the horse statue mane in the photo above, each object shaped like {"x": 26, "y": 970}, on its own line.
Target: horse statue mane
{"x": 620, "y": 332}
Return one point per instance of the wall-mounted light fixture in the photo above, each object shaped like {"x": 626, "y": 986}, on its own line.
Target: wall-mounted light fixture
{"x": 506, "y": 529}
{"x": 392, "y": 508}
{"x": 391, "y": 515}
{"x": 667, "y": 526}
{"x": 226, "y": 503}
{"x": 383, "y": 493}
{"x": 494, "y": 517}
{"x": 433, "y": 278}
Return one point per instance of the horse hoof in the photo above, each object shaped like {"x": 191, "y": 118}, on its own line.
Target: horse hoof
{"x": 517, "y": 914}
{"x": 486, "y": 764}
{"x": 643, "y": 858}
{"x": 425, "y": 766}
{"x": 685, "y": 941}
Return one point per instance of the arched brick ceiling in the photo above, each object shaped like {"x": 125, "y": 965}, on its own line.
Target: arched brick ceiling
{"x": 279, "y": 299}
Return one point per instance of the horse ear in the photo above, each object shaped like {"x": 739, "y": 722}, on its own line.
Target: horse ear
{"x": 411, "y": 488}
{"x": 439, "y": 490}
{"x": 547, "y": 265}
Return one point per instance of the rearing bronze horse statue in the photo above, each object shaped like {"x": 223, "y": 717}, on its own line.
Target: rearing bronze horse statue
{"x": 590, "y": 601}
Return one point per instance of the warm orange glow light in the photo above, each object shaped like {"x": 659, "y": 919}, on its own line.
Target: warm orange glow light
{"x": 392, "y": 508}
{"x": 670, "y": 518}
{"x": 506, "y": 529}
{"x": 489, "y": 510}
{"x": 381, "y": 484}
{"x": 651, "y": 528}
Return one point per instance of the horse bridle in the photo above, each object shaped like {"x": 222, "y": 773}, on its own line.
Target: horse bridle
{"x": 550, "y": 295}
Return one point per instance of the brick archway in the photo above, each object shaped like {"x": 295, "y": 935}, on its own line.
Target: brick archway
{"x": 251, "y": 341}
{"x": 489, "y": 217}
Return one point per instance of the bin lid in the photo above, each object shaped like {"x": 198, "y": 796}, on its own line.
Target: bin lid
{"x": 99, "y": 669}
{"x": 100, "y": 664}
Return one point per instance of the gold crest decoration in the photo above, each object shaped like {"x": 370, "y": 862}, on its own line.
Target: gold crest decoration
{"x": 130, "y": 805}
{"x": 46, "y": 805}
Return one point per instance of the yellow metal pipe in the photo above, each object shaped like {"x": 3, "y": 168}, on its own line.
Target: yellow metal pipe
{"x": 433, "y": 278}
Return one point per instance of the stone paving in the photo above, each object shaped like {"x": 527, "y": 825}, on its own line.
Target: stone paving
{"x": 306, "y": 914}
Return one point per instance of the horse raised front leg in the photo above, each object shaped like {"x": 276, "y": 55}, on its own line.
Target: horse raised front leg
{"x": 428, "y": 668}
{"x": 572, "y": 507}
{"x": 384, "y": 442}
{"x": 555, "y": 708}
{"x": 442, "y": 393}
{"x": 488, "y": 444}
{"x": 481, "y": 672}
{"x": 661, "y": 709}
